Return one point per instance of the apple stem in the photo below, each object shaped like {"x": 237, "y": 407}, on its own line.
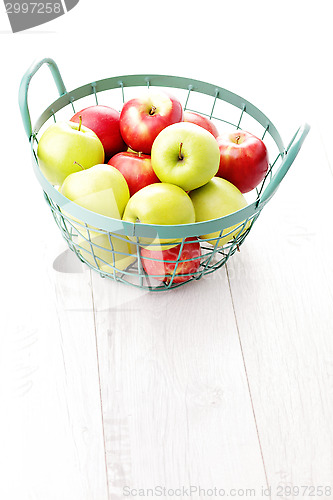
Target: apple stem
{"x": 180, "y": 155}
{"x": 80, "y": 122}
{"x": 237, "y": 139}
{"x": 152, "y": 110}
{"x": 140, "y": 154}
{"x": 76, "y": 163}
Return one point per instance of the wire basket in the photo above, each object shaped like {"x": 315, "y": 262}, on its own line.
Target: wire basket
{"x": 113, "y": 247}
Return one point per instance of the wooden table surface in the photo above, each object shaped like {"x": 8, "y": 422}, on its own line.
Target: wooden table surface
{"x": 225, "y": 384}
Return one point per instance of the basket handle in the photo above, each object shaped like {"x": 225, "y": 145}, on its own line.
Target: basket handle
{"x": 24, "y": 86}
{"x": 291, "y": 152}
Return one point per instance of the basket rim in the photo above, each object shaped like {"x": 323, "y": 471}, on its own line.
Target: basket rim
{"x": 140, "y": 229}
{"x": 159, "y": 80}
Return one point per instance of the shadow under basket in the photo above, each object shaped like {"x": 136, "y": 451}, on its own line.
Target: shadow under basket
{"x": 113, "y": 247}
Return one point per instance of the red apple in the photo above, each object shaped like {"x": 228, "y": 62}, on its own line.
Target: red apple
{"x": 104, "y": 121}
{"x": 243, "y": 159}
{"x": 136, "y": 168}
{"x": 143, "y": 118}
{"x": 202, "y": 121}
{"x": 161, "y": 266}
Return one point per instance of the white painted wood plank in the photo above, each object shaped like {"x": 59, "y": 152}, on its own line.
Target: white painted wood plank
{"x": 51, "y": 427}
{"x": 282, "y": 289}
{"x": 78, "y": 344}
{"x": 176, "y": 406}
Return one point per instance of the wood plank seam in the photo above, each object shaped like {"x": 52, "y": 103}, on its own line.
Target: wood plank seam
{"x": 247, "y": 378}
{"x": 99, "y": 382}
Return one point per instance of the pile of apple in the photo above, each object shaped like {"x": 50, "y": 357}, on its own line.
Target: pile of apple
{"x": 151, "y": 163}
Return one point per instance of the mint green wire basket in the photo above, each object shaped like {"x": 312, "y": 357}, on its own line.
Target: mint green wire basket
{"x": 112, "y": 247}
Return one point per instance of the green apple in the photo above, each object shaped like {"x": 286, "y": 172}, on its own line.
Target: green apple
{"x": 160, "y": 203}
{"x": 107, "y": 252}
{"x": 64, "y": 146}
{"x": 101, "y": 189}
{"x": 186, "y": 155}
{"x": 216, "y": 199}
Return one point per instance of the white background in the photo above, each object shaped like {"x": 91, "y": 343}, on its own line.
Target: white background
{"x": 277, "y": 55}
